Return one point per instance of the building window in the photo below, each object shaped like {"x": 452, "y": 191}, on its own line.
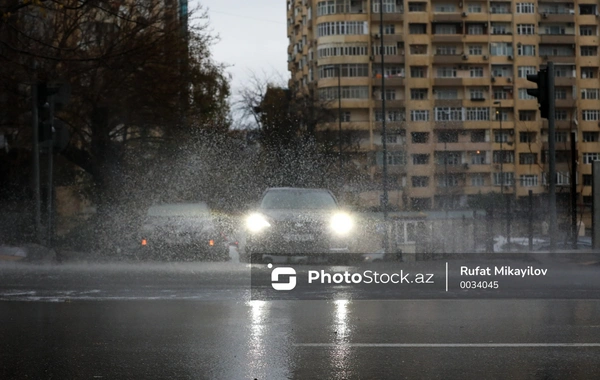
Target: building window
{"x": 478, "y": 113}
{"x": 475, "y": 29}
{"x": 527, "y": 115}
{"x": 420, "y": 159}
{"x": 525, "y": 7}
{"x": 505, "y": 179}
{"x": 418, "y": 93}
{"x": 587, "y": 180}
{"x": 587, "y": 30}
{"x": 419, "y": 115}
{"x": 348, "y": 92}
{"x": 448, "y": 114}
{"x": 523, "y": 95}
{"x": 503, "y": 156}
{"x": 478, "y": 180}
{"x": 560, "y": 137}
{"x": 420, "y": 137}
{"x": 526, "y": 50}
{"x": 501, "y": 136}
{"x": 500, "y": 93}
{"x": 478, "y": 135}
{"x": 447, "y": 136}
{"x": 501, "y": 28}
{"x": 476, "y": 72}
{"x": 420, "y": 181}
{"x": 590, "y": 115}
{"x": 499, "y": 8}
{"x": 418, "y": 72}
{"x": 529, "y": 180}
{"x": 346, "y": 116}
{"x": 477, "y": 93}
{"x": 589, "y": 72}
{"x": 590, "y": 93}
{"x": 501, "y": 48}
{"x": 446, "y": 50}
{"x": 527, "y": 158}
{"x": 446, "y": 72}
{"x": 523, "y": 71}
{"x": 396, "y": 158}
{"x": 587, "y": 9}
{"x": 590, "y": 136}
{"x": 446, "y": 93}
{"x": 417, "y": 29}
{"x": 527, "y": 137}
{"x": 475, "y": 50}
{"x": 450, "y": 180}
{"x": 474, "y": 8}
{"x": 445, "y": 29}
{"x": 588, "y": 158}
{"x": 589, "y": 51}
{"x": 478, "y": 158}
{"x": 342, "y": 28}
{"x": 418, "y": 49}
{"x": 561, "y": 114}
{"x": 444, "y": 8}
{"x": 389, "y": 29}
{"x": 387, "y": 50}
{"x": 525, "y": 29}
{"x": 417, "y": 7}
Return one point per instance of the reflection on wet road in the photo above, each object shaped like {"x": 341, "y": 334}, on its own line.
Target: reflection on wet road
{"x": 88, "y": 333}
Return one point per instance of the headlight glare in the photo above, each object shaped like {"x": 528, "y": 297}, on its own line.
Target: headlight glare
{"x": 256, "y": 223}
{"x": 341, "y": 223}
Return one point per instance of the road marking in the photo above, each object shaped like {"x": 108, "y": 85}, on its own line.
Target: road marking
{"x": 446, "y": 276}
{"x": 447, "y": 345}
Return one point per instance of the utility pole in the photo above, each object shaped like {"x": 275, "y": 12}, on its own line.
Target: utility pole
{"x": 383, "y": 134}
{"x": 573, "y": 179}
{"x": 36, "y": 156}
{"x": 339, "y": 75}
{"x": 552, "y": 153}
{"x": 502, "y": 156}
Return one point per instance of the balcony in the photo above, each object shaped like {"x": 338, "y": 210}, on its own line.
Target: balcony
{"x": 502, "y": 81}
{"x": 393, "y": 16}
{"x": 564, "y": 81}
{"x": 446, "y": 38}
{"x": 565, "y": 103}
{"x": 447, "y": 81}
{"x": 559, "y": 58}
{"x": 388, "y": 59}
{"x": 557, "y": 38}
{"x": 440, "y": 168}
{"x": 392, "y": 81}
{"x": 449, "y": 58}
{"x": 448, "y": 17}
{"x": 448, "y": 103}
{"x": 559, "y": 15}
{"x": 396, "y": 103}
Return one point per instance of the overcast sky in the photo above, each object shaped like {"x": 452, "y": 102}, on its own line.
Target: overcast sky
{"x": 253, "y": 37}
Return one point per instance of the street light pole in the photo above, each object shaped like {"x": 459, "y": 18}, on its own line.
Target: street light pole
{"x": 383, "y": 132}
{"x": 339, "y": 75}
{"x": 507, "y": 200}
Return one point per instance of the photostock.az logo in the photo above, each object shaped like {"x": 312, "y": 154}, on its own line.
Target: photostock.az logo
{"x": 283, "y": 271}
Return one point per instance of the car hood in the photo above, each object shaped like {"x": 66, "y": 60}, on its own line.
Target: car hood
{"x": 298, "y": 215}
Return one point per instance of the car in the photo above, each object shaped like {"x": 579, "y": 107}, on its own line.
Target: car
{"x": 298, "y": 222}
{"x": 182, "y": 231}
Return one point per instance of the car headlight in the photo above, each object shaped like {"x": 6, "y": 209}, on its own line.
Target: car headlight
{"x": 256, "y": 223}
{"x": 341, "y": 223}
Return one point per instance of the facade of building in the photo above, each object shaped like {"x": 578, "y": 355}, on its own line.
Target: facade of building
{"x": 458, "y": 117}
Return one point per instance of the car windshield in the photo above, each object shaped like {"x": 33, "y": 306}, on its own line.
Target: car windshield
{"x": 298, "y": 200}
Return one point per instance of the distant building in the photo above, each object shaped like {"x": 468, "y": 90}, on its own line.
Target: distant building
{"x": 459, "y": 119}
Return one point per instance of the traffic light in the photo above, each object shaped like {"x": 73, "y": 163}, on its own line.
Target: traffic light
{"x": 541, "y": 92}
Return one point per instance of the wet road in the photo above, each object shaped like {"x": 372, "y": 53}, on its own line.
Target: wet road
{"x": 197, "y": 321}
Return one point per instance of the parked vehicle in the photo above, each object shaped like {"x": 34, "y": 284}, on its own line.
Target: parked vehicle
{"x": 182, "y": 231}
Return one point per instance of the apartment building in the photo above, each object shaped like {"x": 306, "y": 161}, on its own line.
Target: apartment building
{"x": 458, "y": 117}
